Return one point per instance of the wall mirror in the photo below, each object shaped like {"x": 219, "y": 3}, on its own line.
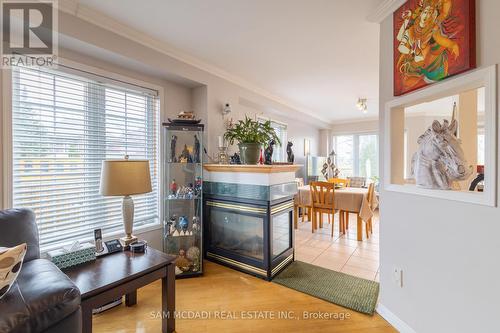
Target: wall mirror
{"x": 441, "y": 141}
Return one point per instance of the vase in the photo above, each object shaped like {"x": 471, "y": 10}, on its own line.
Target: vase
{"x": 249, "y": 152}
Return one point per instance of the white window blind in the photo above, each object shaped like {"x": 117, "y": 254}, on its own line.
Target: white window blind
{"x": 63, "y": 127}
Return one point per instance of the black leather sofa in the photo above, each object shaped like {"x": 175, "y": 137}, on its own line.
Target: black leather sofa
{"x": 43, "y": 299}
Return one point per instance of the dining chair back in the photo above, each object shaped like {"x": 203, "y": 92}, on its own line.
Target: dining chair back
{"x": 359, "y": 182}
{"x": 340, "y": 181}
{"x": 370, "y": 196}
{"x": 323, "y": 202}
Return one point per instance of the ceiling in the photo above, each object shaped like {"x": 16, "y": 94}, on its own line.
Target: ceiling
{"x": 318, "y": 54}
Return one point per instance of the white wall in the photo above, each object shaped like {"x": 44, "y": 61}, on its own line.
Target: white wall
{"x": 363, "y": 126}
{"x": 448, "y": 250}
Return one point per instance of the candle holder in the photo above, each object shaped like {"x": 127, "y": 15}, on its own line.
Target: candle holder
{"x": 223, "y": 157}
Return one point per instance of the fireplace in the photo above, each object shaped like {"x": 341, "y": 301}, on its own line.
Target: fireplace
{"x": 254, "y": 236}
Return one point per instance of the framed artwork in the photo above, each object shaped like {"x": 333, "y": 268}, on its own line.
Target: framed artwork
{"x": 433, "y": 40}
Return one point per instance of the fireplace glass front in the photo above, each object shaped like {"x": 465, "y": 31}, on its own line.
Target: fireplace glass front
{"x": 237, "y": 233}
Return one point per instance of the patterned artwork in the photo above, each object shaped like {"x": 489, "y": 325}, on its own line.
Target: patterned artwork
{"x": 433, "y": 40}
{"x": 11, "y": 260}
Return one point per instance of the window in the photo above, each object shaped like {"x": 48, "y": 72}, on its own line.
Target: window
{"x": 357, "y": 155}
{"x": 344, "y": 147}
{"x": 279, "y": 153}
{"x": 368, "y": 156}
{"x": 64, "y": 125}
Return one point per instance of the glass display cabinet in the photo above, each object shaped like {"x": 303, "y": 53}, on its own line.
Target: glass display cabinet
{"x": 182, "y": 196}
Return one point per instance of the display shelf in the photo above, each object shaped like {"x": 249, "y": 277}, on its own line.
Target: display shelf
{"x": 183, "y": 176}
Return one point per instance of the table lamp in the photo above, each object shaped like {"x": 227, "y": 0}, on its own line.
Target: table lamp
{"x": 125, "y": 178}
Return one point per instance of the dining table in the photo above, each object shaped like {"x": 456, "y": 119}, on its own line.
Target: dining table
{"x": 348, "y": 199}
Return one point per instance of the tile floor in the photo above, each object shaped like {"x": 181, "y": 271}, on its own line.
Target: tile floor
{"x": 342, "y": 253}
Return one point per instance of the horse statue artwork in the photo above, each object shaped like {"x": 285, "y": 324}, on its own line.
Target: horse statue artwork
{"x": 439, "y": 160}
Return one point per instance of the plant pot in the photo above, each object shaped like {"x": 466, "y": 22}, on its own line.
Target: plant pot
{"x": 249, "y": 152}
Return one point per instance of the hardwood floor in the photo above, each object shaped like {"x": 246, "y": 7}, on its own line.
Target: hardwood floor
{"x": 227, "y": 293}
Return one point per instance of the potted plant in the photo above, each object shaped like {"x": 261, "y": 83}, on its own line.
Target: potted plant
{"x": 251, "y": 135}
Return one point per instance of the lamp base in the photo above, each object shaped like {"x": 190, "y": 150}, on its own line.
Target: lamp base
{"x": 128, "y": 220}
{"x": 127, "y": 240}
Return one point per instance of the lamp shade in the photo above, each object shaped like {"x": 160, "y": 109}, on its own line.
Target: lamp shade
{"x": 125, "y": 177}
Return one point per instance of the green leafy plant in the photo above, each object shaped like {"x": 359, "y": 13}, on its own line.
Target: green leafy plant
{"x": 251, "y": 131}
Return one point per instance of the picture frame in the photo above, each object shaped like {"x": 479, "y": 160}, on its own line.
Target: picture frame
{"x": 433, "y": 40}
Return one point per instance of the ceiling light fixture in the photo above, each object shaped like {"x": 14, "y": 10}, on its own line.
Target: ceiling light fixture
{"x": 361, "y": 105}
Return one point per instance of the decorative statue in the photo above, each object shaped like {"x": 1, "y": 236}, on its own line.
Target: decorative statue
{"x": 196, "y": 152}
{"x": 173, "y": 142}
{"x": 183, "y": 223}
{"x": 185, "y": 156}
{"x": 193, "y": 254}
{"x": 439, "y": 160}
{"x": 173, "y": 187}
{"x": 289, "y": 152}
{"x": 198, "y": 186}
{"x": 172, "y": 227}
{"x": 268, "y": 153}
{"x": 196, "y": 227}
{"x": 330, "y": 170}
{"x": 235, "y": 159}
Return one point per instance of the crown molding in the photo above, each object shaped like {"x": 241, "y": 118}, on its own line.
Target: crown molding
{"x": 386, "y": 8}
{"x": 73, "y": 7}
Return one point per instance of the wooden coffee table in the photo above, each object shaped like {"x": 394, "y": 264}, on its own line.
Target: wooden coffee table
{"x": 109, "y": 277}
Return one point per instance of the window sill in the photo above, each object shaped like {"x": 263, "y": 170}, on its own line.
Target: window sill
{"x": 112, "y": 235}
{"x": 478, "y": 198}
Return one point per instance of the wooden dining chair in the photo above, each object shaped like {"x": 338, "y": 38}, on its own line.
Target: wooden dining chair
{"x": 340, "y": 181}
{"x": 370, "y": 198}
{"x": 323, "y": 202}
{"x": 368, "y": 227}
{"x": 298, "y": 208}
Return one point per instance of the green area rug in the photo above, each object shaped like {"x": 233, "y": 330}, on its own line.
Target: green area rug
{"x": 335, "y": 287}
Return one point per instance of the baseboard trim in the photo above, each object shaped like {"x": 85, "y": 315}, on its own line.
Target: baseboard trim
{"x": 397, "y": 323}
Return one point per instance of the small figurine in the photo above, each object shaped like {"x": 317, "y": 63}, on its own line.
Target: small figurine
{"x": 261, "y": 158}
{"x": 173, "y": 143}
{"x": 289, "y": 152}
{"x": 196, "y": 153}
{"x": 268, "y": 153}
{"x": 196, "y": 227}
{"x": 235, "y": 159}
{"x": 182, "y": 262}
{"x": 185, "y": 156}
{"x": 183, "y": 223}
{"x": 193, "y": 254}
{"x": 197, "y": 186}
{"x": 173, "y": 187}
{"x": 185, "y": 192}
{"x": 172, "y": 227}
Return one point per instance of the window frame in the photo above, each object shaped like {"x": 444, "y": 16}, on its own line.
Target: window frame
{"x": 483, "y": 77}
{"x": 355, "y": 150}
{"x": 283, "y": 144}
{"x": 72, "y": 67}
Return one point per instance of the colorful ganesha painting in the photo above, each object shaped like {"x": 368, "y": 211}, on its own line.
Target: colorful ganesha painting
{"x": 433, "y": 39}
